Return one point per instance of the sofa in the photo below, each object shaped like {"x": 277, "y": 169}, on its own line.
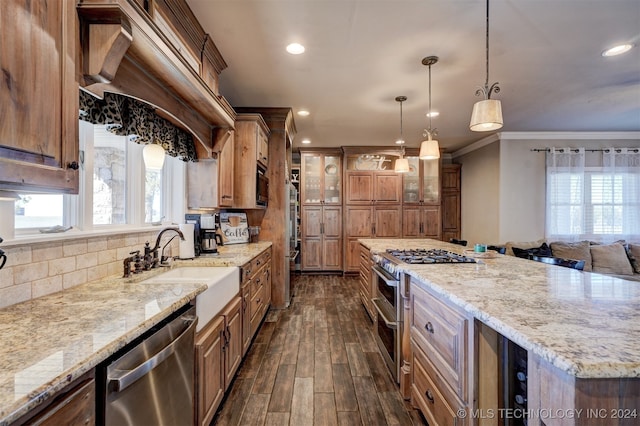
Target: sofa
{"x": 619, "y": 259}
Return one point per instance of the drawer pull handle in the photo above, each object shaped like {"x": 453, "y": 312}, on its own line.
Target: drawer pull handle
{"x": 429, "y": 396}
{"x": 429, "y": 327}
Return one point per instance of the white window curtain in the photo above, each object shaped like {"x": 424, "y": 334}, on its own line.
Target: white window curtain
{"x": 600, "y": 204}
{"x": 565, "y": 212}
{"x": 616, "y": 195}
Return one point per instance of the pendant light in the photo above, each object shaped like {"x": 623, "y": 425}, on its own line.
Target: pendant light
{"x": 487, "y": 113}
{"x": 402, "y": 164}
{"x": 429, "y": 149}
{"x": 153, "y": 156}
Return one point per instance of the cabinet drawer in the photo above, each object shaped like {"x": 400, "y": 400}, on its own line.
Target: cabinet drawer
{"x": 441, "y": 332}
{"x": 258, "y": 281}
{"x": 436, "y": 408}
{"x": 257, "y": 300}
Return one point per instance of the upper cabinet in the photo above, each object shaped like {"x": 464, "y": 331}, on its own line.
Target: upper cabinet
{"x": 39, "y": 96}
{"x": 251, "y": 143}
{"x": 321, "y": 178}
{"x": 421, "y": 185}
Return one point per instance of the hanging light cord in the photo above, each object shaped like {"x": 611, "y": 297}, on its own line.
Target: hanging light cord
{"x": 430, "y": 114}
{"x": 487, "y": 90}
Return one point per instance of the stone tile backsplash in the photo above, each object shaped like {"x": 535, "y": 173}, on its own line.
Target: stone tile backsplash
{"x": 37, "y": 269}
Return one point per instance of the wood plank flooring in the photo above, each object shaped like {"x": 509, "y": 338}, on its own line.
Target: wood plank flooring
{"x": 316, "y": 363}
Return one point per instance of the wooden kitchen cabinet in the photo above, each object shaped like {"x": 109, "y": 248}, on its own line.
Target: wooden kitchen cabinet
{"x": 218, "y": 356}
{"x": 39, "y": 99}
{"x": 372, "y": 186}
{"x": 251, "y": 136}
{"x": 421, "y": 222}
{"x": 321, "y": 212}
{"x": 226, "y": 172}
{"x": 365, "y": 221}
{"x": 256, "y": 295}
{"x": 77, "y": 407}
{"x": 365, "y": 281}
{"x": 322, "y": 238}
{"x": 451, "y": 201}
{"x": 441, "y": 365}
{"x": 210, "y": 370}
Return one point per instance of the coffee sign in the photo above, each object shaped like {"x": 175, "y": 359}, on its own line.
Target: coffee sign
{"x": 234, "y": 228}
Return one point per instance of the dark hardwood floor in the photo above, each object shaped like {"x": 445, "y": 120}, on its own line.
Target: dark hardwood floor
{"x": 316, "y": 363}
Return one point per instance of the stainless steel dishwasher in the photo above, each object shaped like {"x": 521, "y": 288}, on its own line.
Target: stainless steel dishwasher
{"x": 152, "y": 383}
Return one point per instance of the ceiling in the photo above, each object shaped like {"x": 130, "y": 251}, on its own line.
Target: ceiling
{"x": 361, "y": 54}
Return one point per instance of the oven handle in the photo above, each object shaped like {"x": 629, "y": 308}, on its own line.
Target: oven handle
{"x": 391, "y": 324}
{"x": 386, "y": 277}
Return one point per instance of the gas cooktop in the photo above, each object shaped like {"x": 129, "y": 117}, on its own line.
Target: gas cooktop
{"x": 428, "y": 256}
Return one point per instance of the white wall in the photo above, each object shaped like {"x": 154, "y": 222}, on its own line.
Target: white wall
{"x": 503, "y": 181}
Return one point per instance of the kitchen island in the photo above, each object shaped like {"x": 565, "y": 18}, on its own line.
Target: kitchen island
{"x": 581, "y": 330}
{"x": 51, "y": 341}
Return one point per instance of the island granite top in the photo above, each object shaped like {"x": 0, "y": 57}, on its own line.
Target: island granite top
{"x": 584, "y": 323}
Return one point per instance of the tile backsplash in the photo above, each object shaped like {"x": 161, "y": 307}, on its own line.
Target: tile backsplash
{"x": 37, "y": 269}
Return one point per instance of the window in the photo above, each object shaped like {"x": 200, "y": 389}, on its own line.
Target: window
{"x": 593, "y": 203}
{"x": 115, "y": 189}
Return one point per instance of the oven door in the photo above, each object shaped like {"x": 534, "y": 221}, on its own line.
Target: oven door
{"x": 386, "y": 286}
{"x": 387, "y": 332}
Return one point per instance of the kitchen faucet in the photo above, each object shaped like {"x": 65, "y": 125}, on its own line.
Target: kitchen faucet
{"x": 151, "y": 259}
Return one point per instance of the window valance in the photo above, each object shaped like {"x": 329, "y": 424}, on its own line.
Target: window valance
{"x": 125, "y": 116}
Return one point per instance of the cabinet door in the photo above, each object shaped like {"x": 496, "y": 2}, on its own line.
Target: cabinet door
{"x": 411, "y": 222}
{"x": 387, "y": 187}
{"x": 359, "y": 188}
{"x": 451, "y": 213}
{"x": 358, "y": 221}
{"x": 233, "y": 340}
{"x": 387, "y": 222}
{"x": 210, "y": 370}
{"x": 332, "y": 222}
{"x": 246, "y": 316}
{"x": 332, "y": 254}
{"x": 311, "y": 179}
{"x": 311, "y": 253}
{"x": 311, "y": 222}
{"x": 262, "y": 147}
{"x": 225, "y": 174}
{"x": 332, "y": 185}
{"x": 352, "y": 257}
{"x": 78, "y": 408}
{"x": 39, "y": 96}
{"x": 431, "y": 222}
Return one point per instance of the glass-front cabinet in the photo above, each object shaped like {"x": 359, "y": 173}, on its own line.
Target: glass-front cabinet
{"x": 321, "y": 178}
{"x": 421, "y": 185}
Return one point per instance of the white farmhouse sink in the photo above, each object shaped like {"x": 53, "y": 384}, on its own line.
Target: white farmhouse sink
{"x": 223, "y": 284}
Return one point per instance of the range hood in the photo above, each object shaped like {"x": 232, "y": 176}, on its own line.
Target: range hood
{"x": 128, "y": 48}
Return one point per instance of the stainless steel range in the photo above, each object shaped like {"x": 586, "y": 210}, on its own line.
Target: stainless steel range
{"x": 391, "y": 288}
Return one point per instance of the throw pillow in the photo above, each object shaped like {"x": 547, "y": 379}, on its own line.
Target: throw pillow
{"x": 575, "y": 251}
{"x": 633, "y": 253}
{"x": 522, "y": 245}
{"x": 611, "y": 259}
{"x": 542, "y": 251}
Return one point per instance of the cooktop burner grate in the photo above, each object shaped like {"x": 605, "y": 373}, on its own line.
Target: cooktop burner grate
{"x": 428, "y": 256}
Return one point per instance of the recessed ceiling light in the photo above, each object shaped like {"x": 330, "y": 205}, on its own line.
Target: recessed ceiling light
{"x": 303, "y": 113}
{"x": 295, "y": 48}
{"x": 617, "y": 50}
{"x": 433, "y": 114}
{"x": 306, "y": 141}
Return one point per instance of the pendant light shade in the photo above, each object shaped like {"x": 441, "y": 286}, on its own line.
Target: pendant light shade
{"x": 486, "y": 116}
{"x": 153, "y": 156}
{"x": 402, "y": 165}
{"x": 429, "y": 149}
{"x": 487, "y": 113}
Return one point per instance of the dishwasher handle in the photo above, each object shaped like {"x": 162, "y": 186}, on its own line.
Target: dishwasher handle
{"x": 125, "y": 378}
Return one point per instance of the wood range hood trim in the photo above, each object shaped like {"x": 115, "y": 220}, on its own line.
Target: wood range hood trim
{"x": 124, "y": 52}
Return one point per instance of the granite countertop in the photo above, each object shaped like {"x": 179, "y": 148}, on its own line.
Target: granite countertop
{"x": 584, "y": 323}
{"x": 51, "y": 341}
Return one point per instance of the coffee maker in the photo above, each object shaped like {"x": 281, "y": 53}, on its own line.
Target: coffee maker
{"x": 209, "y": 238}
